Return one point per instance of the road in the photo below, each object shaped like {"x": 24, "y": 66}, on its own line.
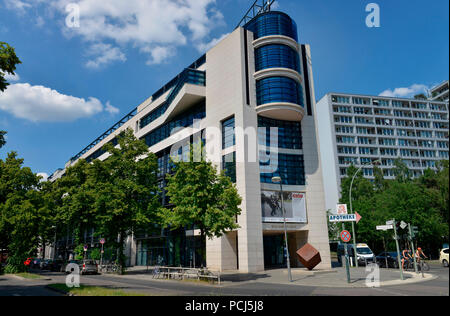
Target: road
{"x": 10, "y": 286}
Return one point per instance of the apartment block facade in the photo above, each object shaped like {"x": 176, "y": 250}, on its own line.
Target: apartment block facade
{"x": 363, "y": 129}
{"x": 256, "y": 80}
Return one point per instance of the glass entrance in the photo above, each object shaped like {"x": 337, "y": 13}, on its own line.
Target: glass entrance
{"x": 274, "y": 253}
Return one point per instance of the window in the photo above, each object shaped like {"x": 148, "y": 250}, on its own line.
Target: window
{"x": 276, "y": 56}
{"x": 185, "y": 119}
{"x": 228, "y": 134}
{"x": 278, "y": 89}
{"x": 340, "y": 99}
{"x": 229, "y": 166}
{"x": 272, "y": 23}
{"x": 289, "y": 133}
{"x": 290, "y": 168}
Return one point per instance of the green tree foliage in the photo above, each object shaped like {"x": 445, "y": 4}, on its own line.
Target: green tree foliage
{"x": 2, "y": 138}
{"x": 125, "y": 191}
{"x": 22, "y": 211}
{"x": 201, "y": 198}
{"x": 422, "y": 202}
{"x": 8, "y": 63}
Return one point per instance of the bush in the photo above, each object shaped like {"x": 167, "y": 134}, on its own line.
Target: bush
{"x": 96, "y": 254}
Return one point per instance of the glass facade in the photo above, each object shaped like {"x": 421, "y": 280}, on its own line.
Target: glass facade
{"x": 278, "y": 89}
{"x": 228, "y": 135}
{"x": 229, "y": 166}
{"x": 290, "y": 168}
{"x": 276, "y": 56}
{"x": 185, "y": 119}
{"x": 273, "y": 23}
{"x": 289, "y": 133}
{"x": 190, "y": 76}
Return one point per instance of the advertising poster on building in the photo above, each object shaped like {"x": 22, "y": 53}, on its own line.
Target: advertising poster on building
{"x": 294, "y": 204}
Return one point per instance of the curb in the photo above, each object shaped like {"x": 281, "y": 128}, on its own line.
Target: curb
{"x": 26, "y": 279}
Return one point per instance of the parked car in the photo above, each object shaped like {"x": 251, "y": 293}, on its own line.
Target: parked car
{"x": 391, "y": 257}
{"x": 89, "y": 267}
{"x": 56, "y": 265}
{"x": 364, "y": 254}
{"x": 45, "y": 264}
{"x": 86, "y": 266}
{"x": 444, "y": 257}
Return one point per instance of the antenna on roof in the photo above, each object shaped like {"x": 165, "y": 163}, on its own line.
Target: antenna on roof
{"x": 258, "y": 7}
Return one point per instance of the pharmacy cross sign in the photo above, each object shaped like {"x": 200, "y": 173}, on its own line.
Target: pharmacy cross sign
{"x": 345, "y": 236}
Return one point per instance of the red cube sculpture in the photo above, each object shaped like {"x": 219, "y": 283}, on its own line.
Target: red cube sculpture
{"x": 309, "y": 256}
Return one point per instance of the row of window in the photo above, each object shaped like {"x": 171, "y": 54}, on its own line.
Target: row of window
{"x": 290, "y": 168}
{"x": 186, "y": 119}
{"x": 188, "y": 76}
{"x": 289, "y": 133}
{"x": 272, "y": 23}
{"x": 276, "y": 56}
{"x": 386, "y": 103}
{"x": 278, "y": 89}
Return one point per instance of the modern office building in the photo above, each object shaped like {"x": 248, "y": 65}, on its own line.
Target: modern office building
{"x": 255, "y": 83}
{"x": 362, "y": 129}
{"x": 440, "y": 92}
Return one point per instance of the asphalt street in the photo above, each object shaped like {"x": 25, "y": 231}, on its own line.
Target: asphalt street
{"x": 12, "y": 286}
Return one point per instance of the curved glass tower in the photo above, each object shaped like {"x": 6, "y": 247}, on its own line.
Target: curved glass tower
{"x": 279, "y": 82}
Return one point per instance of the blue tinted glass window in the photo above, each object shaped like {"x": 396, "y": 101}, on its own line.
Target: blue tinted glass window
{"x": 276, "y": 56}
{"x": 185, "y": 119}
{"x": 229, "y": 166}
{"x": 278, "y": 89}
{"x": 289, "y": 133}
{"x": 273, "y": 23}
{"x": 291, "y": 169}
{"x": 228, "y": 135}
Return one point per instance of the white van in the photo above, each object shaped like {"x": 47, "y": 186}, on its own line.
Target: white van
{"x": 365, "y": 254}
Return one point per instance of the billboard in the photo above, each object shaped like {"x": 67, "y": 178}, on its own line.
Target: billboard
{"x": 294, "y": 205}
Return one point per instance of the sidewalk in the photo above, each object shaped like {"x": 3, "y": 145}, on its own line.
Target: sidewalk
{"x": 332, "y": 278}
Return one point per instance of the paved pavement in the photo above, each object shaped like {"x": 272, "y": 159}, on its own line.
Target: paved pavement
{"x": 270, "y": 283}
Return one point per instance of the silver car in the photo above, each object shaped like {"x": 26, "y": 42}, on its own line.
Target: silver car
{"x": 86, "y": 266}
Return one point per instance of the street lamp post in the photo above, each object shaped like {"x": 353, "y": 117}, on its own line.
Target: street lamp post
{"x": 280, "y": 181}
{"x": 351, "y": 206}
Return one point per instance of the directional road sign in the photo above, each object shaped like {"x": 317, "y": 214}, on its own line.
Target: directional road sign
{"x": 343, "y": 218}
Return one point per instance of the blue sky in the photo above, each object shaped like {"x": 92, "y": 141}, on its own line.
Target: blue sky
{"x": 76, "y": 83}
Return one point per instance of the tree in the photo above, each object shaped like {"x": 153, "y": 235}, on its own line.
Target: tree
{"x": 8, "y": 63}
{"x": 201, "y": 198}
{"x": 422, "y": 202}
{"x": 2, "y": 138}
{"x": 126, "y": 191}
{"x": 420, "y": 96}
{"x": 22, "y": 211}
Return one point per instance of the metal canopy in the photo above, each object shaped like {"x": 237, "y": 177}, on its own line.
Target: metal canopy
{"x": 258, "y": 7}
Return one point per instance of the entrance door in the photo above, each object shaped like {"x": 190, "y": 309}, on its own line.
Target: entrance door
{"x": 274, "y": 254}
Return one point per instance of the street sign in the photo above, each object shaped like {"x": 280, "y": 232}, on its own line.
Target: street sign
{"x": 358, "y": 217}
{"x": 85, "y": 248}
{"x": 391, "y": 222}
{"x": 102, "y": 241}
{"x": 346, "y": 236}
{"x": 385, "y": 227}
{"x": 341, "y": 209}
{"x": 403, "y": 225}
{"x": 343, "y": 218}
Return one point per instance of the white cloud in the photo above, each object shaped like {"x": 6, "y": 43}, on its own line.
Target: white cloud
{"x": 111, "y": 109}
{"x": 158, "y": 54}
{"x": 104, "y": 54}
{"x": 406, "y": 92}
{"x": 42, "y": 104}
{"x": 18, "y": 5}
{"x": 155, "y": 27}
{"x": 12, "y": 78}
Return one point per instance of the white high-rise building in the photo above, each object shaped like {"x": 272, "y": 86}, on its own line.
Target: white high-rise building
{"x": 363, "y": 129}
